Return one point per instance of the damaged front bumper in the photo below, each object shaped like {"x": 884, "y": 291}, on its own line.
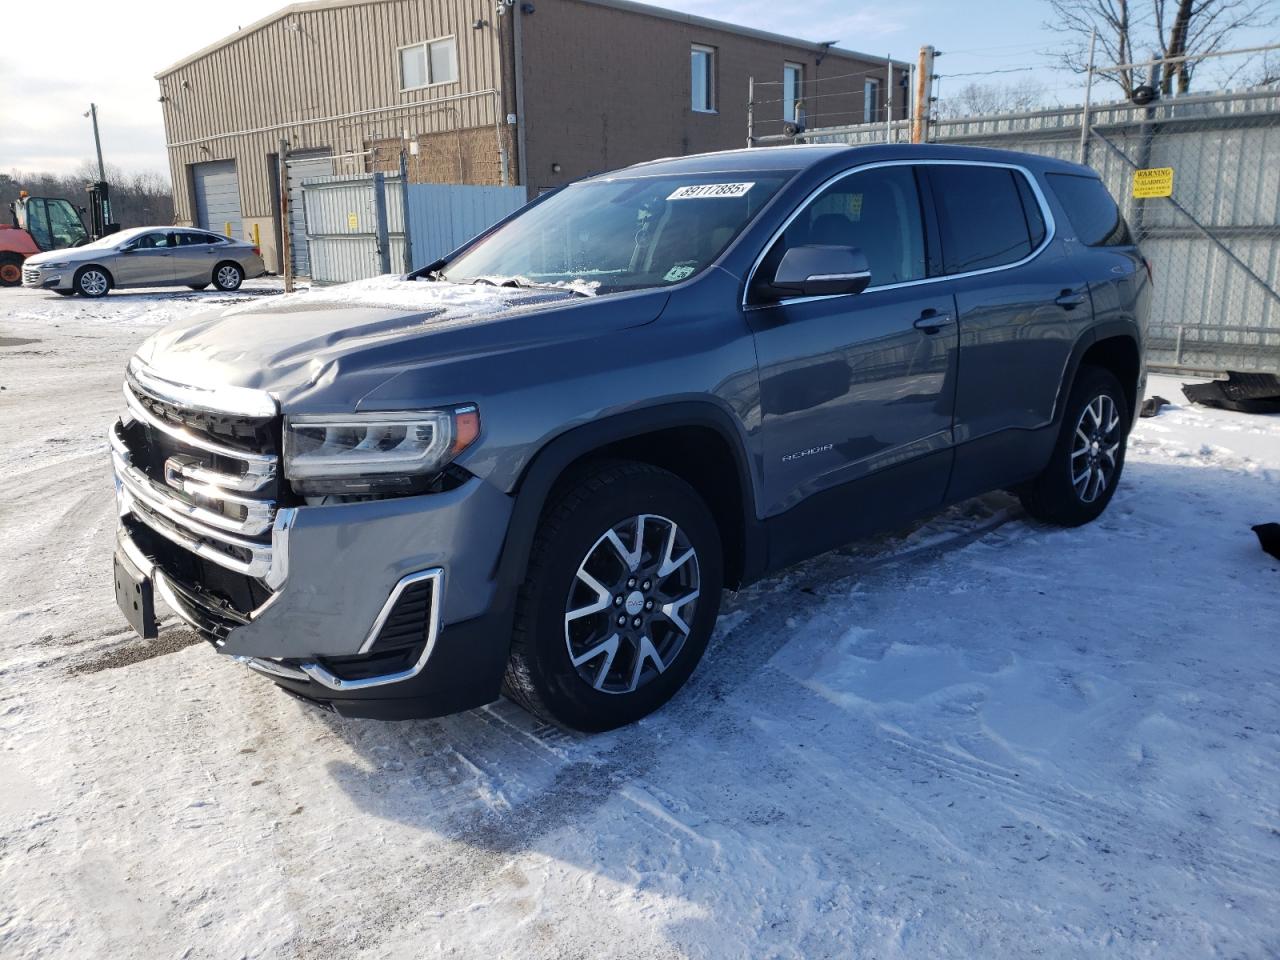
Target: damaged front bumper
{"x": 376, "y": 608}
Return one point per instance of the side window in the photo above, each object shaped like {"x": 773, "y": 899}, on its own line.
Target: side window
{"x": 151, "y": 241}
{"x": 1093, "y": 214}
{"x": 982, "y": 221}
{"x": 877, "y": 211}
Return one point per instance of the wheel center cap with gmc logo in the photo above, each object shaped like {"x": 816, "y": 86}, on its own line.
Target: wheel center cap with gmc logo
{"x": 635, "y": 603}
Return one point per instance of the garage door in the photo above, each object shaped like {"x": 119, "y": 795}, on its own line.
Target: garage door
{"x": 303, "y": 166}
{"x": 217, "y": 190}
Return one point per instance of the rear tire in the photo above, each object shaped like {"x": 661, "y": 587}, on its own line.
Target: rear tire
{"x": 619, "y": 601}
{"x": 1088, "y": 458}
{"x": 228, "y": 276}
{"x": 92, "y": 282}
{"x": 10, "y": 270}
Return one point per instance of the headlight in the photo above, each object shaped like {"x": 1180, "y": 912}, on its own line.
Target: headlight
{"x": 374, "y": 452}
{"x": 53, "y": 266}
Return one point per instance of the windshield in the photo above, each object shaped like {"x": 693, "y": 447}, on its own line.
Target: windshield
{"x": 54, "y": 223}
{"x": 623, "y": 234}
{"x": 118, "y": 238}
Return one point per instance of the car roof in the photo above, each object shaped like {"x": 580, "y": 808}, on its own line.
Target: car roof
{"x": 798, "y": 157}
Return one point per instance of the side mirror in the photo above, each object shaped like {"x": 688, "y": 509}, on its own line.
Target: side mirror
{"x": 821, "y": 271}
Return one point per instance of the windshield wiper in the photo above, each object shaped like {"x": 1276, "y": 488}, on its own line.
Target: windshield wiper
{"x": 523, "y": 284}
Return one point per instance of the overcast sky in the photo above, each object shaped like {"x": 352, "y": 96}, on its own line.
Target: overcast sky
{"x": 108, "y": 51}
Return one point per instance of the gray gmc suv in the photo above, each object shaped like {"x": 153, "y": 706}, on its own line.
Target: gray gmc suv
{"x": 533, "y": 466}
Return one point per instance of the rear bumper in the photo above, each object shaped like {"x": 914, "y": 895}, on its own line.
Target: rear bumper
{"x": 346, "y": 570}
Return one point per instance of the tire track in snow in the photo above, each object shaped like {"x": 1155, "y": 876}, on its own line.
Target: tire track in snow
{"x": 477, "y": 844}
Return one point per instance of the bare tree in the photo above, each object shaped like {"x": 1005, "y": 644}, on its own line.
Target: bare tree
{"x": 1114, "y": 21}
{"x": 985, "y": 99}
{"x": 138, "y": 198}
{"x": 1131, "y": 30}
{"x": 1186, "y": 27}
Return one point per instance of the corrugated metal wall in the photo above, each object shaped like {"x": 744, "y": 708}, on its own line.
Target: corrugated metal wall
{"x": 342, "y": 227}
{"x": 1216, "y": 305}
{"x": 442, "y": 217}
{"x": 342, "y": 223}
{"x": 287, "y": 78}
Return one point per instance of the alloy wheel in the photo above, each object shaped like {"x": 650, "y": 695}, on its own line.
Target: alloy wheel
{"x": 93, "y": 282}
{"x": 1095, "y": 448}
{"x": 228, "y": 277}
{"x": 632, "y": 600}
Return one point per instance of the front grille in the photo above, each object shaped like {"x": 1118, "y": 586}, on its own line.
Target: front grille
{"x": 30, "y": 276}
{"x": 206, "y": 481}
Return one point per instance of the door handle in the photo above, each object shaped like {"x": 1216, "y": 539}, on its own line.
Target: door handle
{"x": 931, "y": 321}
{"x": 1070, "y": 299}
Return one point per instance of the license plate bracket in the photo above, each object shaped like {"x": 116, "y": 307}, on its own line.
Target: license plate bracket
{"x": 135, "y": 596}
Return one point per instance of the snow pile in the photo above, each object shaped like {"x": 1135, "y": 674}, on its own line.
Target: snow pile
{"x": 128, "y": 307}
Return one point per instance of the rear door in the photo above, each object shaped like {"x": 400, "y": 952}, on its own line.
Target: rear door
{"x": 1021, "y": 305}
{"x": 194, "y": 257}
{"x": 855, "y": 387}
{"x": 147, "y": 261}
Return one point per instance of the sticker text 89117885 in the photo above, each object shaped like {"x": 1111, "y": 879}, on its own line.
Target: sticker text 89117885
{"x": 710, "y": 191}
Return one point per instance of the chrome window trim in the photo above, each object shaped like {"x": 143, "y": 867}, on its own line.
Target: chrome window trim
{"x": 436, "y": 574}
{"x": 1050, "y": 231}
{"x": 233, "y": 401}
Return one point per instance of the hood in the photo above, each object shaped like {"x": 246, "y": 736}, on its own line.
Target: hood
{"x": 68, "y": 255}
{"x": 328, "y": 347}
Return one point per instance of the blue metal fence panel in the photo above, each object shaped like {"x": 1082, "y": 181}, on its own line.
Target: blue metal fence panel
{"x": 443, "y": 216}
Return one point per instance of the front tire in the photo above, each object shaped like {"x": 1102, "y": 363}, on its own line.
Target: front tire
{"x": 10, "y": 270}
{"x": 228, "y": 276}
{"x": 1088, "y": 458}
{"x": 619, "y": 601}
{"x": 92, "y": 282}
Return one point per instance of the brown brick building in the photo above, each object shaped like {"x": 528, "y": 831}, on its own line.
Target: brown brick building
{"x": 530, "y": 92}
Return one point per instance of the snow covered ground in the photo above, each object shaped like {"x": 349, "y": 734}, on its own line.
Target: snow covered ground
{"x": 979, "y": 738}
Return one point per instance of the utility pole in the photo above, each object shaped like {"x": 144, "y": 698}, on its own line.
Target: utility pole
{"x": 97, "y": 142}
{"x": 1088, "y": 95}
{"x": 924, "y": 83}
{"x": 888, "y": 106}
{"x": 286, "y": 241}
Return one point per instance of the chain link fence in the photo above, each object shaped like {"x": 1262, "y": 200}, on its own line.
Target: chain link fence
{"x": 1213, "y": 244}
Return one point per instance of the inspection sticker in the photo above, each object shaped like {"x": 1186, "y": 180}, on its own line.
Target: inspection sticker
{"x": 1153, "y": 182}
{"x": 710, "y": 191}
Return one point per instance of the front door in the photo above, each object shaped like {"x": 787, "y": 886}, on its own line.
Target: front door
{"x": 857, "y": 388}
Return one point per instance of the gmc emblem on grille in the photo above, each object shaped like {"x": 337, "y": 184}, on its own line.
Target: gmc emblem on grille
{"x": 175, "y": 471}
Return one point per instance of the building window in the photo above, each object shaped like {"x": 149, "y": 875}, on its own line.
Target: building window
{"x": 425, "y": 64}
{"x": 792, "y": 89}
{"x": 870, "y": 101}
{"x": 703, "y": 63}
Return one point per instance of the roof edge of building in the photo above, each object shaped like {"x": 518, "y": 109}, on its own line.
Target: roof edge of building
{"x": 304, "y": 6}
{"x": 645, "y": 9}
{"x": 725, "y": 26}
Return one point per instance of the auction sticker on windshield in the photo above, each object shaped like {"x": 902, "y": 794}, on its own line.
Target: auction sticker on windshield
{"x": 707, "y": 191}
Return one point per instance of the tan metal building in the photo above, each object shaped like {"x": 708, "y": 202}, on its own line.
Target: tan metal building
{"x": 530, "y": 92}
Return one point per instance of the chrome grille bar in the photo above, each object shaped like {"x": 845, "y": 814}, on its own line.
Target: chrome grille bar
{"x": 201, "y": 502}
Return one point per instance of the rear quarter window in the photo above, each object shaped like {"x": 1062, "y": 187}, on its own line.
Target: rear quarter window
{"x": 1093, "y": 213}
{"x": 983, "y": 220}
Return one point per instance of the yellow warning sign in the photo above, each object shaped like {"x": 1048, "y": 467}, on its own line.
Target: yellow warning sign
{"x": 353, "y": 222}
{"x": 1153, "y": 182}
